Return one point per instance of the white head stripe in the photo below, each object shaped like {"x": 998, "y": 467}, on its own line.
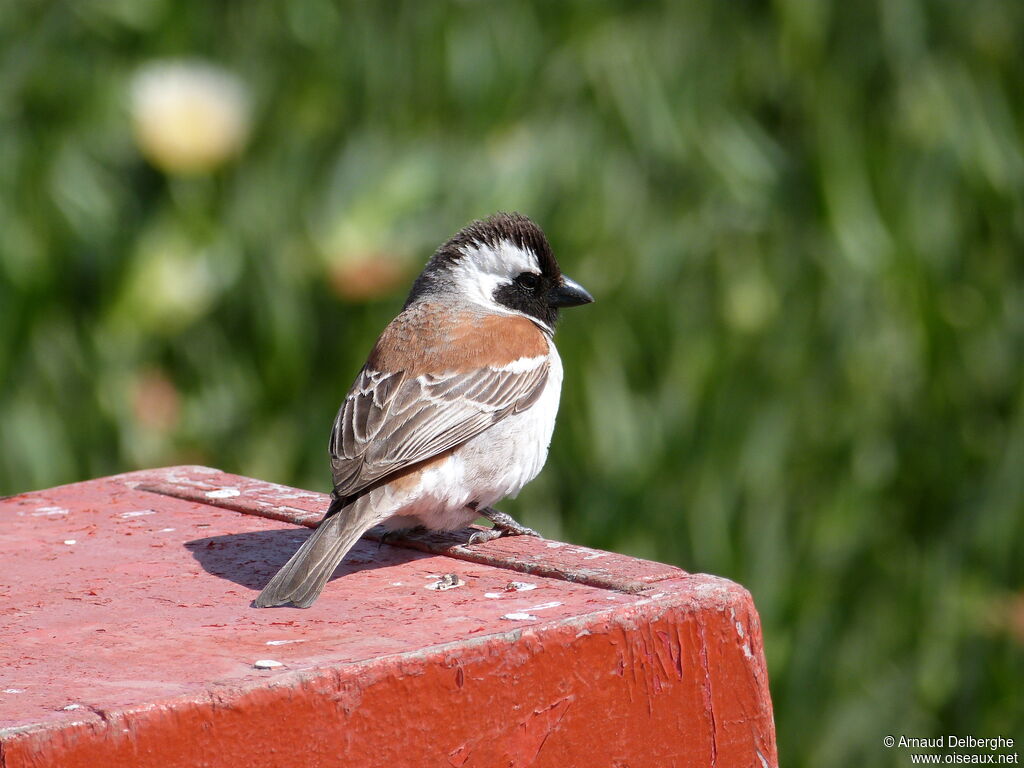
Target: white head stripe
{"x": 483, "y": 268}
{"x": 505, "y": 259}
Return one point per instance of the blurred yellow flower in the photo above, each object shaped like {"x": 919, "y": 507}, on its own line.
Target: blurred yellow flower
{"x": 189, "y": 116}
{"x": 750, "y": 301}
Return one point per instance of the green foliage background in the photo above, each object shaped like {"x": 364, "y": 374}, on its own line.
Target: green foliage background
{"x": 802, "y": 221}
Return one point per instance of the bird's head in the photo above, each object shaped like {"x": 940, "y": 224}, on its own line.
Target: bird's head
{"x": 503, "y": 264}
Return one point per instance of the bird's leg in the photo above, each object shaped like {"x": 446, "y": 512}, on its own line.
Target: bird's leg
{"x": 504, "y": 525}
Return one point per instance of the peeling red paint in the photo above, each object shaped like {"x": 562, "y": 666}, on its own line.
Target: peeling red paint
{"x": 135, "y": 645}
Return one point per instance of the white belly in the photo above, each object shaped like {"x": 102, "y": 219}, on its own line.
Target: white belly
{"x": 492, "y": 466}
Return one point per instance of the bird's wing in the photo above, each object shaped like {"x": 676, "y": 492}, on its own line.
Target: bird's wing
{"x": 390, "y": 420}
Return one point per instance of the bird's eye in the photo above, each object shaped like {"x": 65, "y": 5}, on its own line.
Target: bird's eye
{"x": 528, "y": 280}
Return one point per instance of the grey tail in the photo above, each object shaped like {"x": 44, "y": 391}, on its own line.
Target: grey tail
{"x": 303, "y": 577}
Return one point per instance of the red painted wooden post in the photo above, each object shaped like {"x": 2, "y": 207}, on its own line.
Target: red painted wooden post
{"x": 127, "y": 639}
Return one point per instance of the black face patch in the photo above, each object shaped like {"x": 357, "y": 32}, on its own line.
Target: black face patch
{"x": 528, "y": 293}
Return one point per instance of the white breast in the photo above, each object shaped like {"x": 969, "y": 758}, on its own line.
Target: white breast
{"x": 492, "y": 466}
{"x": 513, "y": 452}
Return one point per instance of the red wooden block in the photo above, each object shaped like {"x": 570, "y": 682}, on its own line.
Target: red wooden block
{"x": 127, "y": 639}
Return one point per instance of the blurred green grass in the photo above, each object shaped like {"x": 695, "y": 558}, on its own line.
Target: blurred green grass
{"x": 802, "y": 221}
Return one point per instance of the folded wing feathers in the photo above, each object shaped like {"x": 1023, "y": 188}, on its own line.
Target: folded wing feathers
{"x": 389, "y": 421}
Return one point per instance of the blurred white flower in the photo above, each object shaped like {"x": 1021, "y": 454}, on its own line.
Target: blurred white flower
{"x": 189, "y": 116}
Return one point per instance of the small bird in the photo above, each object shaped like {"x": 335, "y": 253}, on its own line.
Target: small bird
{"x": 455, "y": 406}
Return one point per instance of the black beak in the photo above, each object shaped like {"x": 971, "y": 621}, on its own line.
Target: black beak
{"x": 568, "y": 293}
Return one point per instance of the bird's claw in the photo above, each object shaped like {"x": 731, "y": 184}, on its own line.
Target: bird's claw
{"x": 504, "y": 525}
{"x": 480, "y": 537}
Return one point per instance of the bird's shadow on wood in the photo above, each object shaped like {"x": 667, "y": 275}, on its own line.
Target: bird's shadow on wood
{"x": 251, "y": 559}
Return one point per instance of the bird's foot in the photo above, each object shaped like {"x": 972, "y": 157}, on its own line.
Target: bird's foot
{"x": 504, "y": 525}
